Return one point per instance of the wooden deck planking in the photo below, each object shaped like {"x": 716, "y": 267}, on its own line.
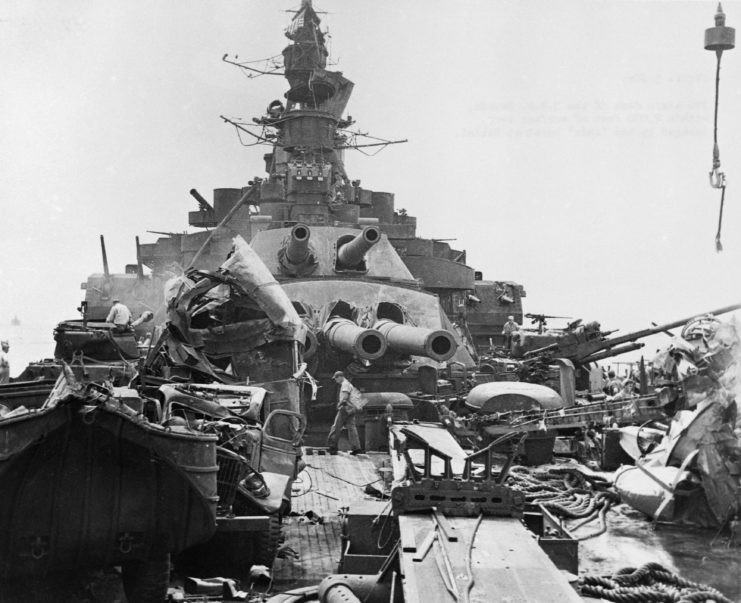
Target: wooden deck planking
{"x": 340, "y": 476}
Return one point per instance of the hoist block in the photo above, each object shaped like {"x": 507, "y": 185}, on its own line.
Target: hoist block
{"x": 720, "y": 37}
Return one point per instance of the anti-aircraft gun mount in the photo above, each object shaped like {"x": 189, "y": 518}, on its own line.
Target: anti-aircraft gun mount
{"x": 542, "y": 320}
{"x": 587, "y": 343}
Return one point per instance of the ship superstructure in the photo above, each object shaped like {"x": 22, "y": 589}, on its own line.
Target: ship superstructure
{"x": 380, "y": 302}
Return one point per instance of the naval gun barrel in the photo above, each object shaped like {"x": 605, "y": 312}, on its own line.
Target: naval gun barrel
{"x": 343, "y": 334}
{"x": 610, "y": 352}
{"x": 350, "y": 254}
{"x": 139, "y": 267}
{"x": 106, "y": 271}
{"x": 297, "y": 249}
{"x": 590, "y": 353}
{"x": 203, "y": 205}
{"x": 436, "y": 344}
{"x": 669, "y": 325}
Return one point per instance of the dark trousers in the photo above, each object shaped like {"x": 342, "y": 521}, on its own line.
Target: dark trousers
{"x": 343, "y": 419}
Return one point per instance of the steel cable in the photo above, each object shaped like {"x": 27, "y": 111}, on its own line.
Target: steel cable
{"x": 720, "y": 181}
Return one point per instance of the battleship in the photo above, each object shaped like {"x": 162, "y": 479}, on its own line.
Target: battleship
{"x": 339, "y": 280}
{"x": 395, "y": 311}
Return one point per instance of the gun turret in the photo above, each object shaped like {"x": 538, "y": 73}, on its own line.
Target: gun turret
{"x": 296, "y": 250}
{"x": 438, "y": 345}
{"x": 351, "y": 253}
{"x": 344, "y": 335}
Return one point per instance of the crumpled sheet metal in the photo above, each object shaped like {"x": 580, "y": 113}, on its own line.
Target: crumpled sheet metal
{"x": 245, "y": 271}
{"x": 709, "y": 369}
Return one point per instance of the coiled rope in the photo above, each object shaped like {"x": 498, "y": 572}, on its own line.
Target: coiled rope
{"x": 650, "y": 583}
{"x": 566, "y": 492}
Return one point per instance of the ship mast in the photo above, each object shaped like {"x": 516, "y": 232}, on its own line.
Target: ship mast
{"x": 306, "y": 59}
{"x": 307, "y": 181}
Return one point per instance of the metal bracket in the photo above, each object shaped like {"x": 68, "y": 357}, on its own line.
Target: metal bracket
{"x": 457, "y": 497}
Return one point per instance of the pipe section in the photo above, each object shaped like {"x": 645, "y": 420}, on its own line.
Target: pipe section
{"x": 353, "y": 588}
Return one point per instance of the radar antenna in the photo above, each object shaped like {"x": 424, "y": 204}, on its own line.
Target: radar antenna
{"x": 252, "y": 69}
{"x": 264, "y": 137}
{"x": 351, "y": 141}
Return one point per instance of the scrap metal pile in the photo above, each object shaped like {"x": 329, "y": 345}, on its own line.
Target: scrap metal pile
{"x": 693, "y": 473}
{"x": 186, "y": 452}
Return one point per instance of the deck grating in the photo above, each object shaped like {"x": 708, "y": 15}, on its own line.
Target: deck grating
{"x": 329, "y": 483}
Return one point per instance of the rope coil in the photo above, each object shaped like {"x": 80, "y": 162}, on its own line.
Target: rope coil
{"x": 567, "y": 493}
{"x": 648, "y": 584}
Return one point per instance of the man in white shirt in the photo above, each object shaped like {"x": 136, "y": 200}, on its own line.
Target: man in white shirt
{"x": 345, "y": 416}
{"x": 508, "y": 330}
{"x": 4, "y": 362}
{"x": 119, "y": 316}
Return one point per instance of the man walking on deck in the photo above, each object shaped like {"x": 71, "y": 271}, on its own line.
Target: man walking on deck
{"x": 4, "y": 362}
{"x": 345, "y": 415}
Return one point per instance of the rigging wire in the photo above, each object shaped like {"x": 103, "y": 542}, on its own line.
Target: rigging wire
{"x": 718, "y": 244}
{"x": 716, "y": 158}
{"x": 717, "y": 178}
{"x": 718, "y": 39}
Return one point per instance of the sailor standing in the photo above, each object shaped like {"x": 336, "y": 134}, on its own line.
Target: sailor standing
{"x": 119, "y": 316}
{"x": 613, "y": 385}
{"x": 508, "y": 330}
{"x": 345, "y": 416}
{"x": 4, "y": 362}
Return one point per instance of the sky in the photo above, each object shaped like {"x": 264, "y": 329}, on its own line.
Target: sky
{"x": 565, "y": 145}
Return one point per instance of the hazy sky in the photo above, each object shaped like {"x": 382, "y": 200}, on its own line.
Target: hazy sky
{"x": 565, "y": 145}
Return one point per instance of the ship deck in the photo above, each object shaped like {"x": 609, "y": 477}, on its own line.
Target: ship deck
{"x": 327, "y": 485}
{"x": 331, "y": 483}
